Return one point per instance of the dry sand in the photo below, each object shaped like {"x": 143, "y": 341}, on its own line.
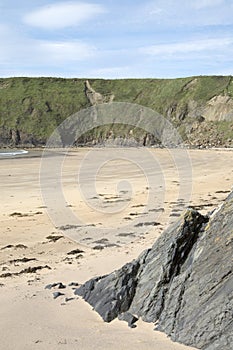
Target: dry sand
{"x": 109, "y": 214}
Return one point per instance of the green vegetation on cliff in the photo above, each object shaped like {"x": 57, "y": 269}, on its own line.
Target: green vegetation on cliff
{"x": 200, "y": 107}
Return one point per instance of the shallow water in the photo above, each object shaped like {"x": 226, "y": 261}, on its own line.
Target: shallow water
{"x": 12, "y": 153}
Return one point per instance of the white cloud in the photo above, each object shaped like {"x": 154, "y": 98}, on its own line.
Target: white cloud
{"x": 154, "y": 10}
{"x": 65, "y": 51}
{"x": 187, "y": 47}
{"x": 111, "y": 72}
{"x": 20, "y": 52}
{"x": 171, "y": 13}
{"x": 8, "y": 43}
{"x": 201, "y": 4}
{"x": 63, "y": 14}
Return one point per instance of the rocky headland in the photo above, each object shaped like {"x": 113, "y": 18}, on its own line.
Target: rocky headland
{"x": 183, "y": 284}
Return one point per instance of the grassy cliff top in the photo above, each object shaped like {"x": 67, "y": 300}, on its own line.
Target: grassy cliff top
{"x": 35, "y": 106}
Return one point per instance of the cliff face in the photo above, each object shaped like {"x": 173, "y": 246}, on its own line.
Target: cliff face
{"x": 184, "y": 283}
{"x": 96, "y": 98}
{"x": 201, "y": 108}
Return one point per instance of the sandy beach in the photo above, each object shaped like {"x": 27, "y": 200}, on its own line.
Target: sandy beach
{"x": 67, "y": 216}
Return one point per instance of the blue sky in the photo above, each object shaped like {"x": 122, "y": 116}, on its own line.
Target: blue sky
{"x": 116, "y": 39}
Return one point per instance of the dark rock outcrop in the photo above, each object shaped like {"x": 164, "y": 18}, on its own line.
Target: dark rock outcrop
{"x": 184, "y": 283}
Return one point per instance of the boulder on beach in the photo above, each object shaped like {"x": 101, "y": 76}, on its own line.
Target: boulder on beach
{"x": 184, "y": 283}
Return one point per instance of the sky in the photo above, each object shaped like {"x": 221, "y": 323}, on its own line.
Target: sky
{"x": 116, "y": 39}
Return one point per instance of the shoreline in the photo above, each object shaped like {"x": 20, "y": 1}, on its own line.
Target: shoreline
{"x": 27, "y": 151}
{"x": 106, "y": 146}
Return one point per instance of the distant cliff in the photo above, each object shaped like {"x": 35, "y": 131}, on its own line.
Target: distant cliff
{"x": 201, "y": 108}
